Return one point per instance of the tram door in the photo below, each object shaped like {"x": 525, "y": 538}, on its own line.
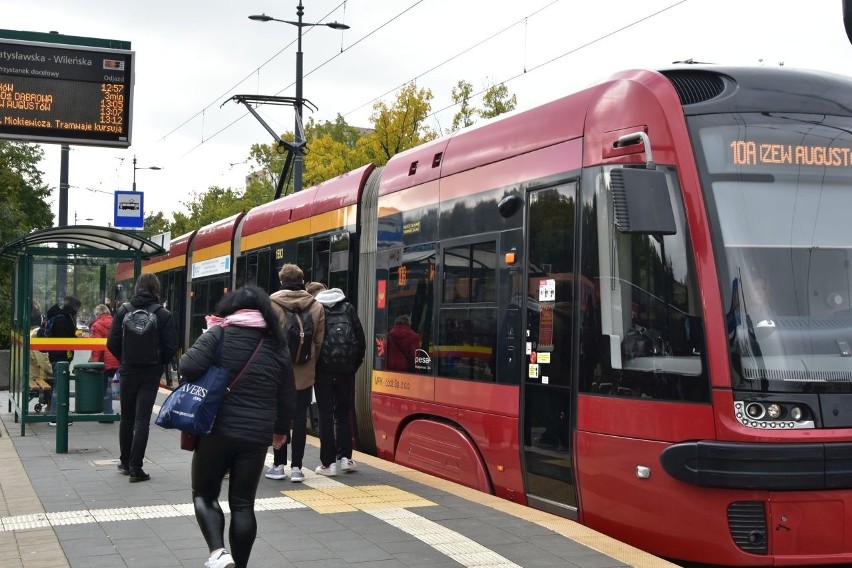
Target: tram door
{"x": 547, "y": 386}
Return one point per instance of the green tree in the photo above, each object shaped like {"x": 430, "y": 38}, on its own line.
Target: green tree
{"x": 497, "y": 101}
{"x": 154, "y": 225}
{"x": 24, "y": 196}
{"x": 207, "y": 208}
{"x": 467, "y": 113}
{"x": 400, "y": 126}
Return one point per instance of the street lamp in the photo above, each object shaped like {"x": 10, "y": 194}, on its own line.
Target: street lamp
{"x": 138, "y": 168}
{"x": 298, "y": 135}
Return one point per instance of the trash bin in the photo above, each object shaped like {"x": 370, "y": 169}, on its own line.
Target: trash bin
{"x": 88, "y": 388}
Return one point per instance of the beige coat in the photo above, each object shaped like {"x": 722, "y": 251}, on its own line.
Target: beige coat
{"x": 306, "y": 372}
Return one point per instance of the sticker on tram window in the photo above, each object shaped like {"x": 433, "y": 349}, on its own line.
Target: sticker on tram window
{"x": 547, "y": 290}
{"x": 533, "y": 372}
{"x": 545, "y": 328}
{"x": 529, "y": 345}
{"x": 543, "y": 357}
{"x": 764, "y": 153}
{"x": 533, "y": 357}
{"x": 545, "y": 380}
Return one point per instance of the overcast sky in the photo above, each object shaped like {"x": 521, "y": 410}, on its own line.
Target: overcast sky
{"x": 192, "y": 56}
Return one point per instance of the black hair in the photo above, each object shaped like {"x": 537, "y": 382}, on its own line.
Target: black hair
{"x": 252, "y": 298}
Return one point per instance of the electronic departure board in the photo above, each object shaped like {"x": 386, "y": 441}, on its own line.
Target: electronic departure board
{"x": 69, "y": 94}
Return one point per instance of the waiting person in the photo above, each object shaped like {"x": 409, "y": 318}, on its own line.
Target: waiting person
{"x": 293, "y": 301}
{"x": 342, "y": 353}
{"x": 60, "y": 321}
{"x": 401, "y": 344}
{"x": 254, "y": 414}
{"x": 314, "y": 288}
{"x": 143, "y": 347}
{"x": 100, "y": 327}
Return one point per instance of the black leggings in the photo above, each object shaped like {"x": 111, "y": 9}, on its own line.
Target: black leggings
{"x": 214, "y": 456}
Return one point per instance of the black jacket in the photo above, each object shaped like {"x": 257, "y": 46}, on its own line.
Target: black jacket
{"x": 63, "y": 326}
{"x": 264, "y": 399}
{"x": 165, "y": 325}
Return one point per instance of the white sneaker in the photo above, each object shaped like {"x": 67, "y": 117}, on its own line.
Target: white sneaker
{"x": 347, "y": 465}
{"x": 276, "y": 472}
{"x": 296, "y": 475}
{"x": 329, "y": 471}
{"x": 224, "y": 560}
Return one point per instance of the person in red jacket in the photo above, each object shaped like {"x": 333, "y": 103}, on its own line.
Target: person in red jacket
{"x": 100, "y": 328}
{"x": 402, "y": 343}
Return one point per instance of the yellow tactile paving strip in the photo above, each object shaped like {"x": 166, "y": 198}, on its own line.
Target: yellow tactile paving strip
{"x": 358, "y": 498}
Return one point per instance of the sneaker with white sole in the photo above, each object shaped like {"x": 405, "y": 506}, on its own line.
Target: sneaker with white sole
{"x": 347, "y": 465}
{"x": 329, "y": 471}
{"x": 224, "y": 560}
{"x": 296, "y": 475}
{"x": 276, "y": 472}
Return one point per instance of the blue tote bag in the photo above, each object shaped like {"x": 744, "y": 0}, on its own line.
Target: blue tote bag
{"x": 192, "y": 407}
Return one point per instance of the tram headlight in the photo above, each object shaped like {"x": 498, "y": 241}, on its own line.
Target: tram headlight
{"x": 796, "y": 413}
{"x": 774, "y": 411}
{"x": 755, "y": 410}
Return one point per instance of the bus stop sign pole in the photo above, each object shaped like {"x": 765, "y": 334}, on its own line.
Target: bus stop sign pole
{"x": 62, "y": 396}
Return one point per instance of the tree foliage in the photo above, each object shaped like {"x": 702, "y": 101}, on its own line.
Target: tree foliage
{"x": 400, "y": 126}
{"x": 497, "y": 101}
{"x": 467, "y": 113}
{"x": 25, "y": 208}
{"x": 334, "y": 148}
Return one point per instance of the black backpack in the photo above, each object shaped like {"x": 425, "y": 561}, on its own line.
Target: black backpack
{"x": 46, "y": 327}
{"x": 299, "y": 331}
{"x": 339, "y": 352}
{"x": 140, "y": 341}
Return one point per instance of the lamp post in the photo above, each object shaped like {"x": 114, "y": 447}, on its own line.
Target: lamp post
{"x": 138, "y": 168}
{"x": 298, "y": 134}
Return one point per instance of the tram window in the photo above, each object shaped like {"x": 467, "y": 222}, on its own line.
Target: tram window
{"x": 339, "y": 270}
{"x": 470, "y": 273}
{"x": 265, "y": 279}
{"x": 322, "y": 260}
{"x": 251, "y": 270}
{"x": 411, "y": 278}
{"x": 650, "y": 313}
{"x": 304, "y": 259}
{"x": 339, "y": 252}
{"x": 466, "y": 342}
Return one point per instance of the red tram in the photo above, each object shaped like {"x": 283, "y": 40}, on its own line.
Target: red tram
{"x": 633, "y": 306}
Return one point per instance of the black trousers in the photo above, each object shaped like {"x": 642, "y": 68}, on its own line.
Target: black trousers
{"x": 299, "y": 437}
{"x": 215, "y": 455}
{"x": 138, "y": 393}
{"x": 334, "y": 403}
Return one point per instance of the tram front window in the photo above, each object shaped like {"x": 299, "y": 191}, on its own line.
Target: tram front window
{"x": 778, "y": 186}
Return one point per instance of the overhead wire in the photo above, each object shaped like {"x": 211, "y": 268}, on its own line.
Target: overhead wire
{"x": 526, "y": 69}
{"x": 227, "y": 126}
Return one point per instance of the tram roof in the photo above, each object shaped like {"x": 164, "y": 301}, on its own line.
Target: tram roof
{"x": 84, "y": 236}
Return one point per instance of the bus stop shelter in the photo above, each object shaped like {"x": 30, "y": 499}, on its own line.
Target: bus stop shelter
{"x": 49, "y": 264}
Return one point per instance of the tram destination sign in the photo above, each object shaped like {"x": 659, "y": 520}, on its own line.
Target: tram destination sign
{"x": 67, "y": 94}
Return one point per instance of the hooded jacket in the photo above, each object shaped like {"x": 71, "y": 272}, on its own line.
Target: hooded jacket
{"x": 305, "y": 373}
{"x": 263, "y": 400}
{"x": 329, "y": 299}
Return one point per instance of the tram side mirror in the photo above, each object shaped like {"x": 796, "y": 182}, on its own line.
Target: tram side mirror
{"x": 509, "y": 205}
{"x": 641, "y": 202}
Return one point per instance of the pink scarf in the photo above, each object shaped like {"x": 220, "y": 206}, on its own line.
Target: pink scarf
{"x": 240, "y": 318}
